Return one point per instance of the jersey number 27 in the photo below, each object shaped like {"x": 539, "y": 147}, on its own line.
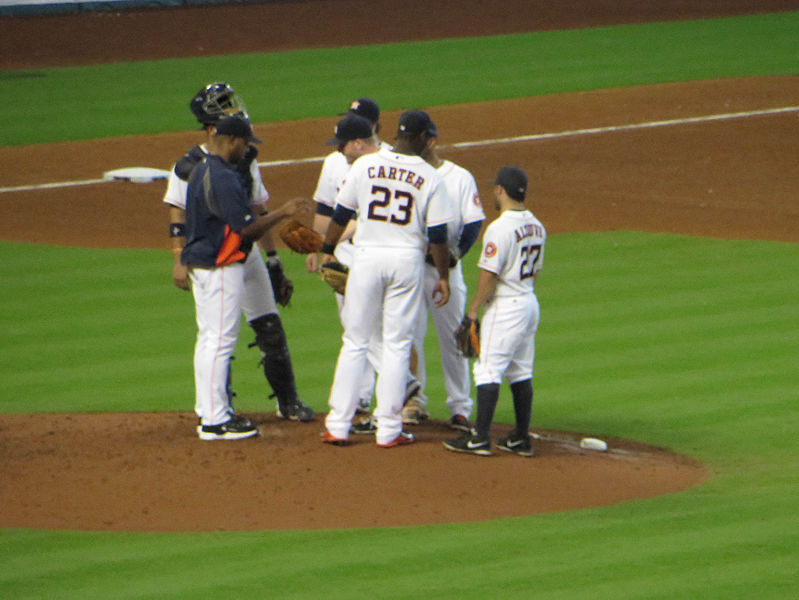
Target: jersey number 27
{"x": 381, "y": 209}
{"x": 530, "y": 255}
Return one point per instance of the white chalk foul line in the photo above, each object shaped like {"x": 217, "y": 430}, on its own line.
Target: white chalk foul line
{"x": 490, "y": 142}
{"x": 615, "y": 128}
{"x": 46, "y": 186}
{"x": 291, "y": 161}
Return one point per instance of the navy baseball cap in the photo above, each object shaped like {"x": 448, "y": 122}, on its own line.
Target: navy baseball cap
{"x": 414, "y": 122}
{"x": 351, "y": 127}
{"x": 236, "y": 126}
{"x": 366, "y": 108}
{"x": 513, "y": 180}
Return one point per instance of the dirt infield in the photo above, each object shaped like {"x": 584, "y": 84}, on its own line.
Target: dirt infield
{"x": 733, "y": 177}
{"x": 707, "y": 158}
{"x": 148, "y": 472}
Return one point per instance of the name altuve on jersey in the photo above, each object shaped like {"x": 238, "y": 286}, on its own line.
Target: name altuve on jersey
{"x": 529, "y": 230}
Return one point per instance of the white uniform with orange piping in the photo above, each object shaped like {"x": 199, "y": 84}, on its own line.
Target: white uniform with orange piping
{"x": 513, "y": 248}
{"x": 396, "y": 197}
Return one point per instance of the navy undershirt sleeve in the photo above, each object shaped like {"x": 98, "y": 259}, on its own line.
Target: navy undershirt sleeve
{"x": 469, "y": 236}
{"x": 324, "y": 210}
{"x": 437, "y": 234}
{"x": 342, "y": 215}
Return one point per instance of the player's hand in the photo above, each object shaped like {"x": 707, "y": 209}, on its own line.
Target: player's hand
{"x": 180, "y": 275}
{"x": 441, "y": 293}
{"x": 298, "y": 206}
{"x": 312, "y": 263}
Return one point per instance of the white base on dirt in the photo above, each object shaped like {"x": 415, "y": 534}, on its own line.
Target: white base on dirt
{"x": 136, "y": 174}
{"x": 588, "y": 443}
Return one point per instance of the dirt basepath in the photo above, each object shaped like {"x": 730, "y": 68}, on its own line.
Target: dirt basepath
{"x": 733, "y": 177}
{"x": 701, "y": 174}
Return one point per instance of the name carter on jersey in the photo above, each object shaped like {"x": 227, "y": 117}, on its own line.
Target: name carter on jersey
{"x": 529, "y": 230}
{"x": 396, "y": 174}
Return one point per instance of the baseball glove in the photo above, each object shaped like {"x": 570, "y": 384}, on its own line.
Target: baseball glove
{"x": 467, "y": 337}
{"x": 334, "y": 274}
{"x": 282, "y": 286}
{"x": 300, "y": 238}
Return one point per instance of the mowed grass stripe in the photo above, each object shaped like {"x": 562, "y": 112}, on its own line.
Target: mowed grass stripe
{"x": 719, "y": 409}
{"x": 443, "y": 72}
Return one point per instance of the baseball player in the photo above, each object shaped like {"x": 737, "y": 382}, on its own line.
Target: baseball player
{"x": 220, "y": 227}
{"x": 401, "y": 205}
{"x": 209, "y": 105}
{"x": 513, "y": 253}
{"x": 334, "y": 169}
{"x": 351, "y": 144}
{"x": 462, "y": 232}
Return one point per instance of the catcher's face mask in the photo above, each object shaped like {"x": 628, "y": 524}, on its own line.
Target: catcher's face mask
{"x": 215, "y": 101}
{"x": 225, "y": 104}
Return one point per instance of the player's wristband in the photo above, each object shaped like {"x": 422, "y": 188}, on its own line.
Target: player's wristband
{"x": 324, "y": 209}
{"x": 328, "y": 249}
{"x": 177, "y": 230}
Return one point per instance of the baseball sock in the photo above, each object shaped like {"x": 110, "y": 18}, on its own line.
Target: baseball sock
{"x": 522, "y": 405}
{"x": 487, "y": 397}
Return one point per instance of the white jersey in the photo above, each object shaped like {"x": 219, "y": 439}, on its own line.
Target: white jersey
{"x": 334, "y": 170}
{"x": 396, "y": 197}
{"x": 331, "y": 177}
{"x": 176, "y": 188}
{"x": 462, "y": 191}
{"x": 513, "y": 248}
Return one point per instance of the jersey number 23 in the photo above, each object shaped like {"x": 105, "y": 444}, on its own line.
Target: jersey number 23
{"x": 382, "y": 209}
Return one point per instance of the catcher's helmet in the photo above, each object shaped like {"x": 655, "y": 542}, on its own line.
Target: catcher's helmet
{"x": 216, "y": 100}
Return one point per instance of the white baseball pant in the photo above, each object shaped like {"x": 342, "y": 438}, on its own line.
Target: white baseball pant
{"x": 218, "y": 294}
{"x": 446, "y": 320}
{"x": 344, "y": 253}
{"x": 507, "y": 340}
{"x": 259, "y": 299}
{"x": 383, "y": 293}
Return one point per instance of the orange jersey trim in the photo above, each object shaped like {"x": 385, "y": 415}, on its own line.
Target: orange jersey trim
{"x": 230, "y": 252}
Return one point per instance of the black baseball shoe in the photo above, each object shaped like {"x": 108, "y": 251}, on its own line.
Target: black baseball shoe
{"x": 517, "y": 444}
{"x": 236, "y": 428}
{"x": 470, "y": 444}
{"x": 295, "y": 410}
{"x": 460, "y": 423}
{"x": 366, "y": 426}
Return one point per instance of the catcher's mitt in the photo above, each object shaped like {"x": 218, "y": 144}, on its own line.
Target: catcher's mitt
{"x": 300, "y": 238}
{"x": 334, "y": 274}
{"x": 467, "y": 337}
{"x": 282, "y": 286}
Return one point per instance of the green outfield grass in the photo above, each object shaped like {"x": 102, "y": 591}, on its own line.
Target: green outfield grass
{"x": 685, "y": 353}
{"x": 682, "y": 342}
{"x": 111, "y": 100}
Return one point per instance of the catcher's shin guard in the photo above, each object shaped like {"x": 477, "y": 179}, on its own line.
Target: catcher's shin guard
{"x": 271, "y": 341}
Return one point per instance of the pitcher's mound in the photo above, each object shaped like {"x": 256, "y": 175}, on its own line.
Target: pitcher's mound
{"x": 150, "y": 472}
